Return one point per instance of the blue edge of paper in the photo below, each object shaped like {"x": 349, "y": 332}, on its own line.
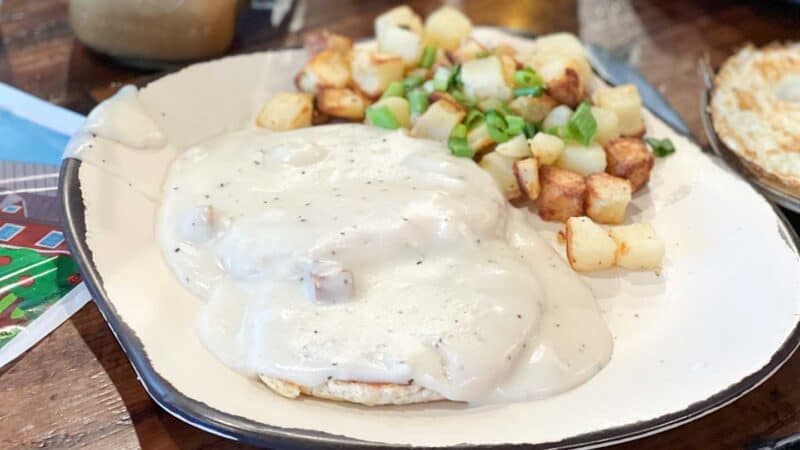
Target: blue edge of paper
{"x": 24, "y": 141}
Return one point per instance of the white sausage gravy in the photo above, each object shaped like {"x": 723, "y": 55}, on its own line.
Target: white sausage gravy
{"x": 347, "y": 252}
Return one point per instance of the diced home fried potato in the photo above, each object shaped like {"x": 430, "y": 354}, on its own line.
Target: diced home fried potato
{"x": 589, "y": 247}
{"x": 504, "y": 49}
{"x": 402, "y": 42}
{"x": 625, "y": 102}
{"x": 401, "y": 16}
{"x": 501, "y": 168}
{"x": 563, "y": 81}
{"x": 562, "y": 194}
{"x": 399, "y": 108}
{"x": 478, "y": 138}
{"x": 557, "y": 117}
{"x": 516, "y": 147}
{"x": 447, "y": 27}
{"x": 638, "y": 246}
{"x": 342, "y": 103}
{"x": 438, "y": 121}
{"x": 470, "y": 49}
{"x": 583, "y": 160}
{"x": 373, "y": 72}
{"x": 607, "y": 125}
{"x": 527, "y": 173}
{"x": 565, "y": 44}
{"x": 325, "y": 40}
{"x": 327, "y": 69}
{"x": 509, "y": 65}
{"x": 533, "y": 109}
{"x": 629, "y": 158}
{"x": 435, "y": 96}
{"x": 546, "y": 148}
{"x": 419, "y": 72}
{"x": 484, "y": 78}
{"x": 607, "y": 197}
{"x": 286, "y": 111}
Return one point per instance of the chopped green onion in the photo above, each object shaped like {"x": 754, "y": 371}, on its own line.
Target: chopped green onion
{"x": 528, "y": 91}
{"x": 395, "y": 89}
{"x": 412, "y": 81}
{"x": 459, "y": 131}
{"x": 559, "y": 131}
{"x": 457, "y": 142}
{"x": 527, "y": 77}
{"x": 463, "y": 98}
{"x": 514, "y": 125}
{"x": 504, "y": 108}
{"x": 440, "y": 85}
{"x": 441, "y": 79}
{"x": 428, "y": 86}
{"x": 381, "y": 116}
{"x": 417, "y": 101}
{"x": 582, "y": 126}
{"x": 453, "y": 79}
{"x": 428, "y": 57}
{"x": 496, "y": 126}
{"x": 661, "y": 147}
{"x": 530, "y": 129}
{"x": 474, "y": 116}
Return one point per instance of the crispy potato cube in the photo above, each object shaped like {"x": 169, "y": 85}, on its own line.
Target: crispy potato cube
{"x": 563, "y": 81}
{"x": 509, "y": 66}
{"x": 607, "y": 125}
{"x": 327, "y": 69}
{"x": 501, "y": 168}
{"x": 546, "y": 148}
{"x": 504, "y": 49}
{"x": 325, "y": 40}
{"x": 478, "y": 138}
{"x": 399, "y": 108}
{"x": 402, "y": 42}
{"x": 583, "y": 160}
{"x": 557, "y": 117}
{"x": 373, "y": 72}
{"x": 484, "y": 78}
{"x": 533, "y": 109}
{"x": 516, "y": 147}
{"x": 286, "y": 111}
{"x": 562, "y": 194}
{"x": 468, "y": 51}
{"x": 589, "y": 247}
{"x": 607, "y": 197}
{"x": 401, "y": 16}
{"x": 629, "y": 158}
{"x": 638, "y": 246}
{"x": 527, "y": 173}
{"x": 342, "y": 103}
{"x": 625, "y": 102}
{"x": 566, "y": 45}
{"x": 438, "y": 121}
{"x": 447, "y": 27}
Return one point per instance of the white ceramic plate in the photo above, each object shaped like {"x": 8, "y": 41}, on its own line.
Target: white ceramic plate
{"x": 719, "y": 319}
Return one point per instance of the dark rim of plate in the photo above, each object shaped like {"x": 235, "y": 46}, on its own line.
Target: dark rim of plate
{"x": 251, "y": 432}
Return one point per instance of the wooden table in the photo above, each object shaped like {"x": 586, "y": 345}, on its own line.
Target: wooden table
{"x": 77, "y": 389}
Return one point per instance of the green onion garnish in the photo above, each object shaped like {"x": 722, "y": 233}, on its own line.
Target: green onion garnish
{"x": 381, "y": 116}
{"x": 440, "y": 79}
{"x": 514, "y": 125}
{"x": 496, "y": 126}
{"x": 581, "y": 126}
{"x": 528, "y": 91}
{"x": 474, "y": 117}
{"x": 417, "y": 101}
{"x": 457, "y": 142}
{"x": 395, "y": 89}
{"x": 527, "y": 77}
{"x": 530, "y": 129}
{"x": 454, "y": 80}
{"x": 463, "y": 98}
{"x": 412, "y": 81}
{"x": 661, "y": 147}
{"x": 428, "y": 57}
{"x": 428, "y": 86}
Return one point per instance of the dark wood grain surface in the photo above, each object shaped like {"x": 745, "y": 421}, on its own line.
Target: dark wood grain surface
{"x": 77, "y": 389}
